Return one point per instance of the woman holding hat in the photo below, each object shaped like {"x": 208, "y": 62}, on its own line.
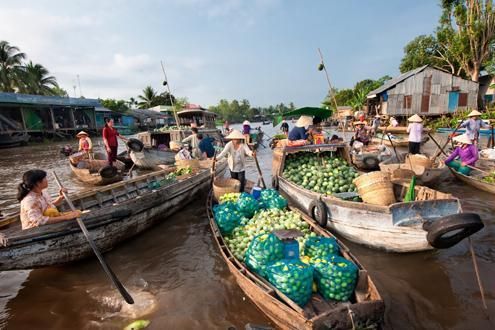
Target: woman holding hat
{"x": 362, "y": 133}
{"x": 473, "y": 125}
{"x": 415, "y": 130}
{"x": 467, "y": 153}
{"x": 85, "y": 143}
{"x": 236, "y": 152}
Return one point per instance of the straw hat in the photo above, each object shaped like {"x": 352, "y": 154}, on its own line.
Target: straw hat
{"x": 246, "y": 122}
{"x": 235, "y": 135}
{"x": 474, "y": 113}
{"x": 359, "y": 123}
{"x": 304, "y": 121}
{"x": 377, "y": 116}
{"x": 464, "y": 139}
{"x": 415, "y": 119}
{"x": 82, "y": 133}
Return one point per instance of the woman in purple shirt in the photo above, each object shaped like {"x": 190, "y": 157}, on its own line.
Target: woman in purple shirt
{"x": 466, "y": 152}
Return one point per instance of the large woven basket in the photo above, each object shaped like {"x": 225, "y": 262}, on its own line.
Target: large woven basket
{"x": 419, "y": 160}
{"x": 375, "y": 188}
{"x": 175, "y": 146}
{"x": 182, "y": 163}
{"x": 222, "y": 186}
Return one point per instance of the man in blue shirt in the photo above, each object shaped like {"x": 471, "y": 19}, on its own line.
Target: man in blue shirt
{"x": 299, "y": 131}
{"x": 206, "y": 146}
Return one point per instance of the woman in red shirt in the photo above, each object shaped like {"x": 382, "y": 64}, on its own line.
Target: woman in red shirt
{"x": 110, "y": 135}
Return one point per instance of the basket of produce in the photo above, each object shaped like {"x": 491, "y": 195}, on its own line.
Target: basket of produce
{"x": 223, "y": 186}
{"x": 375, "y": 188}
{"x": 192, "y": 163}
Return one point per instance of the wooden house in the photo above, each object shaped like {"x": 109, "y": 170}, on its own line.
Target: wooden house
{"x": 426, "y": 91}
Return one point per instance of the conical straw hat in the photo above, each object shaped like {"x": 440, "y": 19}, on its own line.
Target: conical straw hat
{"x": 235, "y": 135}
{"x": 304, "y": 121}
{"x": 474, "y": 113}
{"x": 81, "y": 133}
{"x": 464, "y": 139}
{"x": 415, "y": 119}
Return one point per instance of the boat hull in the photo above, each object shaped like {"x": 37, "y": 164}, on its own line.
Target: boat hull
{"x": 64, "y": 242}
{"x": 474, "y": 182}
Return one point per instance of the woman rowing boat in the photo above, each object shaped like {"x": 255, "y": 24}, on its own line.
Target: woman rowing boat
{"x": 37, "y": 208}
{"x": 466, "y": 152}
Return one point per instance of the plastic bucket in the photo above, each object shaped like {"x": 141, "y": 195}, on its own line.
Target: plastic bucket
{"x": 256, "y": 192}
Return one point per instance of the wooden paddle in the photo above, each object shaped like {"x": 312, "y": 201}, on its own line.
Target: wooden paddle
{"x": 446, "y": 142}
{"x": 213, "y": 169}
{"x": 472, "y": 167}
{"x": 127, "y": 297}
{"x": 259, "y": 170}
{"x": 393, "y": 146}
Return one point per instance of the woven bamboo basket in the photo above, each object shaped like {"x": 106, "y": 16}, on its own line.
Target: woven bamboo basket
{"x": 420, "y": 160}
{"x": 175, "y": 146}
{"x": 222, "y": 186}
{"x": 375, "y": 188}
{"x": 192, "y": 163}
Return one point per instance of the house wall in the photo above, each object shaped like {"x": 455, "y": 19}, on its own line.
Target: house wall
{"x": 436, "y": 97}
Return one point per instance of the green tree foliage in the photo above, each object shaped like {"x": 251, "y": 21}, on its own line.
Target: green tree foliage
{"x": 150, "y": 98}
{"x": 35, "y": 79}
{"x": 10, "y": 64}
{"x": 422, "y": 50}
{"x": 237, "y": 111}
{"x": 115, "y": 105}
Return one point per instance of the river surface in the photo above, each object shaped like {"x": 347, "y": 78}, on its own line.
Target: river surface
{"x": 181, "y": 281}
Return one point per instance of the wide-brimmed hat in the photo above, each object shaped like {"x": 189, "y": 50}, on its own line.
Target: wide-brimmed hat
{"x": 246, "y": 122}
{"x": 474, "y": 113}
{"x": 304, "y": 121}
{"x": 359, "y": 123}
{"x": 464, "y": 139}
{"x": 378, "y": 116}
{"x": 235, "y": 135}
{"x": 415, "y": 119}
{"x": 82, "y": 133}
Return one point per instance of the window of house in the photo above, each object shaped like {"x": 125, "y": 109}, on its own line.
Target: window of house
{"x": 463, "y": 99}
{"x": 407, "y": 101}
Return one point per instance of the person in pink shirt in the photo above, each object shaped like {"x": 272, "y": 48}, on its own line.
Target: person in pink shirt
{"x": 415, "y": 130}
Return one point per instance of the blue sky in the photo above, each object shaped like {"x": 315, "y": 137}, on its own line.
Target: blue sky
{"x": 261, "y": 50}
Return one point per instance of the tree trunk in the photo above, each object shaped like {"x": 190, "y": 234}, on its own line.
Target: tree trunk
{"x": 475, "y": 73}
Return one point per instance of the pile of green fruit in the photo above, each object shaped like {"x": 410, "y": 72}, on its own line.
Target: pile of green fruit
{"x": 490, "y": 178}
{"x": 264, "y": 222}
{"x": 263, "y": 250}
{"x": 229, "y": 197}
{"x": 183, "y": 171}
{"x": 336, "y": 277}
{"x": 322, "y": 173}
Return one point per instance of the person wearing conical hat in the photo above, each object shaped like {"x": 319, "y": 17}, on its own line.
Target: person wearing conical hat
{"x": 415, "y": 130}
{"x": 464, "y": 155}
{"x": 236, "y": 151}
{"x": 300, "y": 131}
{"x": 376, "y": 123}
{"x": 85, "y": 143}
{"x": 473, "y": 125}
{"x": 362, "y": 133}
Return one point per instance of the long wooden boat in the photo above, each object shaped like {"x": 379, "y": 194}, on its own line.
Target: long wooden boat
{"x": 397, "y": 227}
{"x": 398, "y": 142}
{"x": 13, "y": 139}
{"x": 366, "y": 307}
{"x": 424, "y": 175}
{"x": 370, "y": 157}
{"x": 89, "y": 174}
{"x": 111, "y": 213}
{"x": 398, "y": 129}
{"x": 474, "y": 179}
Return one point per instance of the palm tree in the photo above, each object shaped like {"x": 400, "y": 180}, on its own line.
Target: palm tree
{"x": 10, "y": 64}
{"x": 36, "y": 80}
{"x": 149, "y": 94}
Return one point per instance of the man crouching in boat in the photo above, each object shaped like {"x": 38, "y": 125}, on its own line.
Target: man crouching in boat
{"x": 466, "y": 151}
{"x": 237, "y": 151}
{"x": 37, "y": 209}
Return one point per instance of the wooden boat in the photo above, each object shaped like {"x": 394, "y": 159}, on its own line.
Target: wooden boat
{"x": 369, "y": 157}
{"x": 397, "y": 227}
{"x": 483, "y": 131}
{"x": 405, "y": 171}
{"x": 398, "y": 142}
{"x": 88, "y": 170}
{"x": 398, "y": 129}
{"x": 366, "y": 307}
{"x": 266, "y": 122}
{"x": 111, "y": 213}
{"x": 13, "y": 139}
{"x": 475, "y": 180}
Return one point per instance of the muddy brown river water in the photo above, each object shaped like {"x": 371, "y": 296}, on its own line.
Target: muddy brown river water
{"x": 186, "y": 285}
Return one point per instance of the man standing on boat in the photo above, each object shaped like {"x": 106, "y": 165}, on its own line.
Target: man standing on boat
{"x": 473, "y": 126}
{"x": 110, "y": 135}
{"x": 236, "y": 151}
{"x": 376, "y": 124}
{"x": 284, "y": 127}
{"x": 415, "y": 130}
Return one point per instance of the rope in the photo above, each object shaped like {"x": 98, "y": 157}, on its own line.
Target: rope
{"x": 351, "y": 317}
{"x": 482, "y": 291}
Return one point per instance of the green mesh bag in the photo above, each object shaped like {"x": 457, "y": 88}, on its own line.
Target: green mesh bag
{"x": 336, "y": 278}
{"x": 293, "y": 278}
{"x": 228, "y": 217}
{"x": 247, "y": 205}
{"x": 271, "y": 199}
{"x": 263, "y": 250}
{"x": 321, "y": 247}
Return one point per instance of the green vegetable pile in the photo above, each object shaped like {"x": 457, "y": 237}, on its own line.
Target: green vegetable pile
{"x": 324, "y": 173}
{"x": 264, "y": 222}
{"x": 263, "y": 250}
{"x": 293, "y": 278}
{"x": 321, "y": 247}
{"x": 336, "y": 277}
{"x": 490, "y": 178}
{"x": 229, "y": 197}
{"x": 183, "y": 170}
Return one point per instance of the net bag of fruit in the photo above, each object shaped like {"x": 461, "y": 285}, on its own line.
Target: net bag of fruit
{"x": 293, "y": 278}
{"x": 336, "y": 277}
{"x": 271, "y": 199}
{"x": 263, "y": 250}
{"x": 227, "y": 217}
{"x": 229, "y": 197}
{"x": 247, "y": 205}
{"x": 321, "y": 247}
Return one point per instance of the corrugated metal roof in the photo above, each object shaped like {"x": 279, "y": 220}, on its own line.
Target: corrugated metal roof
{"x": 392, "y": 82}
{"x": 16, "y": 98}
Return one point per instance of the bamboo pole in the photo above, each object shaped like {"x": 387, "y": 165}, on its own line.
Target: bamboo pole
{"x": 330, "y": 86}
{"x": 171, "y": 101}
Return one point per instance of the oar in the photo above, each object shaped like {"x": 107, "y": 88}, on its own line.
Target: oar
{"x": 259, "y": 171}
{"x": 213, "y": 168}
{"x": 472, "y": 167}
{"x": 446, "y": 142}
{"x": 127, "y": 297}
{"x": 393, "y": 146}
{"x": 492, "y": 139}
